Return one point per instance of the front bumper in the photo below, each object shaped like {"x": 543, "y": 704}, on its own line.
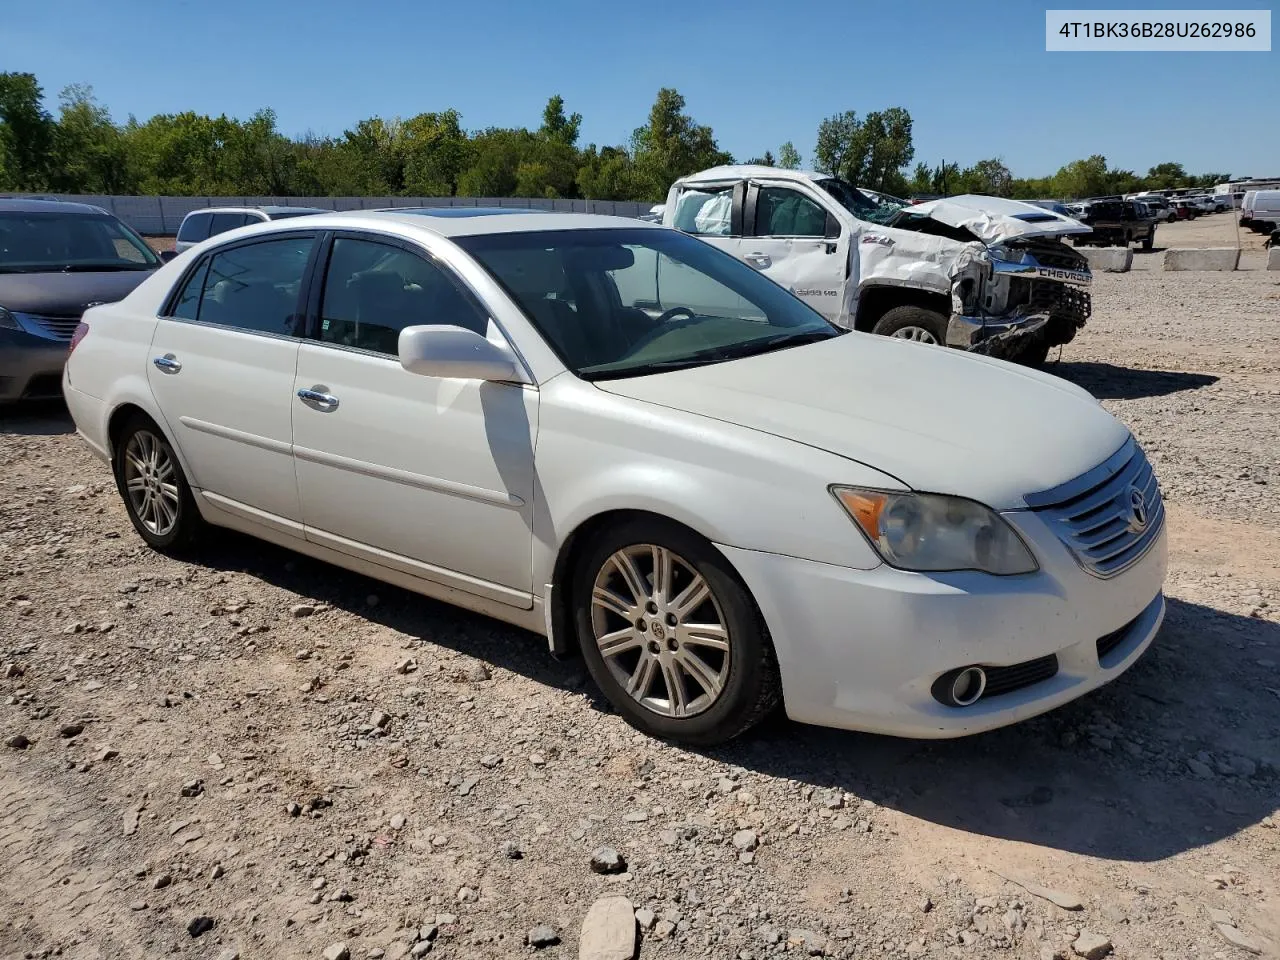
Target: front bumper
{"x": 1052, "y": 303}
{"x": 861, "y": 649}
{"x": 30, "y": 365}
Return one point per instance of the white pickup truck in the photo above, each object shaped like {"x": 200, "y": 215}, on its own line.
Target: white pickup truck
{"x": 979, "y": 273}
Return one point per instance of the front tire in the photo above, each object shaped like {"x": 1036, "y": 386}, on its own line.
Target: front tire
{"x": 913, "y": 323}
{"x": 156, "y": 494}
{"x": 670, "y": 634}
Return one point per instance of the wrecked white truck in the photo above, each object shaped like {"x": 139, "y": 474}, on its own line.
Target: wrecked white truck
{"x": 979, "y": 273}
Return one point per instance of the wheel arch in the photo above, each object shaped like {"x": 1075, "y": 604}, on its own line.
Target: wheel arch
{"x": 560, "y": 609}
{"x": 878, "y": 299}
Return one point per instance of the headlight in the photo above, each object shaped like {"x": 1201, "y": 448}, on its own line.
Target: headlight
{"x": 1010, "y": 254}
{"x": 927, "y": 532}
{"x": 8, "y": 321}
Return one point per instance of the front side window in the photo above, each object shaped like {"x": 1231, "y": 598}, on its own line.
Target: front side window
{"x": 374, "y": 290}
{"x": 70, "y": 243}
{"x": 254, "y": 287}
{"x": 707, "y": 213}
{"x": 781, "y": 212}
{"x": 621, "y": 303}
{"x": 866, "y": 205}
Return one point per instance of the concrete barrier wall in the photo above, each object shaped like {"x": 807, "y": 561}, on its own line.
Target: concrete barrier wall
{"x": 1208, "y": 258}
{"x": 1109, "y": 259}
{"x": 1273, "y": 258}
{"x": 161, "y": 216}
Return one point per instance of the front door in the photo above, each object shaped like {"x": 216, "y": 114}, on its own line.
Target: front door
{"x": 221, "y": 369}
{"x": 433, "y": 477}
{"x": 786, "y": 240}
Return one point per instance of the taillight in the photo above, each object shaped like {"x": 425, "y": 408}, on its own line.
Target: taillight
{"x": 82, "y": 329}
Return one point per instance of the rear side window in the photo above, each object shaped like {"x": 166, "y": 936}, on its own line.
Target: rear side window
{"x": 374, "y": 290}
{"x": 253, "y": 287}
{"x": 222, "y": 222}
{"x": 195, "y": 228}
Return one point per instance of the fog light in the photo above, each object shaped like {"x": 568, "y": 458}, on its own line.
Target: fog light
{"x": 960, "y": 688}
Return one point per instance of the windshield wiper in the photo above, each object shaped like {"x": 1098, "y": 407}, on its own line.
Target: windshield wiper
{"x": 657, "y": 366}
{"x": 101, "y": 267}
{"x": 769, "y": 344}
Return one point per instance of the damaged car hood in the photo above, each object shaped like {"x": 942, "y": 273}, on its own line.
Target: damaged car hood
{"x": 992, "y": 219}
{"x": 935, "y": 419}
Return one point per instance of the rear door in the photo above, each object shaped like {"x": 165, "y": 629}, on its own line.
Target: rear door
{"x": 222, "y": 367}
{"x": 791, "y": 239}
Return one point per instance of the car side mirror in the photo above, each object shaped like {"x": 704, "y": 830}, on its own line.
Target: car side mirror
{"x": 455, "y": 352}
{"x": 167, "y": 255}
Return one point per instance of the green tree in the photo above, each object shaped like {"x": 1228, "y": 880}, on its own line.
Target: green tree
{"x": 556, "y": 127}
{"x": 27, "y": 133}
{"x": 670, "y": 146}
{"x": 1166, "y": 176}
{"x": 1082, "y": 178}
{"x": 870, "y": 152}
{"x": 988, "y": 177}
{"x": 607, "y": 174}
{"x": 89, "y": 155}
{"x": 789, "y": 156}
{"x": 437, "y": 151}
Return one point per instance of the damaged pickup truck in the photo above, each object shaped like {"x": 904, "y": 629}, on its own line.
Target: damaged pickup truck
{"x": 978, "y": 273}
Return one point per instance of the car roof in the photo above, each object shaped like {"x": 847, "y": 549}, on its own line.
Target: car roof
{"x": 37, "y": 205}
{"x": 447, "y": 222}
{"x": 745, "y": 171}
{"x": 268, "y": 209}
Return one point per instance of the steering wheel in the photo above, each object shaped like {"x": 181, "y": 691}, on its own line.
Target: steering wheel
{"x": 674, "y": 312}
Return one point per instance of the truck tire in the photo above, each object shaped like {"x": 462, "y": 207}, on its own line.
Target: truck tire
{"x": 913, "y": 323}
{"x": 1148, "y": 240}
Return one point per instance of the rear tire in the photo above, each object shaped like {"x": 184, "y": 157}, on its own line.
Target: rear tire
{"x": 155, "y": 491}
{"x": 1148, "y": 240}
{"x": 913, "y": 323}
{"x": 639, "y": 640}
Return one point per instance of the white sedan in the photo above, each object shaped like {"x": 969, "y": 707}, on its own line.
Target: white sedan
{"x": 631, "y": 443}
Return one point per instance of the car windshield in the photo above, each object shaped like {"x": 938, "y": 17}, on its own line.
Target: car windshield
{"x": 71, "y": 242}
{"x": 867, "y": 205}
{"x": 625, "y": 303}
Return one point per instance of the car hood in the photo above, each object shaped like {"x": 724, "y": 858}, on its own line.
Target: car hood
{"x": 66, "y": 294}
{"x": 937, "y": 420}
{"x": 995, "y": 219}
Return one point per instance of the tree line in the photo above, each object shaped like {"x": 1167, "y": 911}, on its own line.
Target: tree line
{"x": 80, "y": 149}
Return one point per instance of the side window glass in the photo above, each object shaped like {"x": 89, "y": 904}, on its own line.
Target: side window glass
{"x": 195, "y": 228}
{"x": 255, "y": 287}
{"x": 187, "y": 306}
{"x": 222, "y": 222}
{"x": 707, "y": 213}
{"x": 785, "y": 213}
{"x": 374, "y": 290}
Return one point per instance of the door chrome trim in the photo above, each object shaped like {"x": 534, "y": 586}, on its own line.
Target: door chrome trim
{"x": 228, "y": 433}
{"x": 498, "y": 498}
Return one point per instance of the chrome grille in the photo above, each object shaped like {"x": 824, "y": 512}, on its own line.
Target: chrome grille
{"x": 60, "y": 327}
{"x": 1099, "y": 515}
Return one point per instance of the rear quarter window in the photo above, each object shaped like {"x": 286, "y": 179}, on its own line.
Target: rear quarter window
{"x": 194, "y": 228}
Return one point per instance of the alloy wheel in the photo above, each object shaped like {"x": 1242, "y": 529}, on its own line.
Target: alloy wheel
{"x": 918, "y": 334}
{"x": 660, "y": 630}
{"x": 151, "y": 482}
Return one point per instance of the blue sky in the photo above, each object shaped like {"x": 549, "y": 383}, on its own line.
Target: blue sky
{"x": 975, "y": 76}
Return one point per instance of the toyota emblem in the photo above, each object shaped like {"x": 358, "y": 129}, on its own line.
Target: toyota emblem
{"x": 1138, "y": 517}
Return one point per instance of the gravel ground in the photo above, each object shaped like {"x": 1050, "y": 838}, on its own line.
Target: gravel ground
{"x": 253, "y": 754}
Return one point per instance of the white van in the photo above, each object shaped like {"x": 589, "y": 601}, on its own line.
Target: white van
{"x": 1261, "y": 210}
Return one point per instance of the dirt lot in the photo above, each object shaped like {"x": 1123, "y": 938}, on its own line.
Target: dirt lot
{"x": 239, "y": 737}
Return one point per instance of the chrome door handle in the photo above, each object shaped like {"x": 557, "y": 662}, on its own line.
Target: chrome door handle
{"x": 759, "y": 260}
{"x": 324, "y": 400}
{"x": 168, "y": 363}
